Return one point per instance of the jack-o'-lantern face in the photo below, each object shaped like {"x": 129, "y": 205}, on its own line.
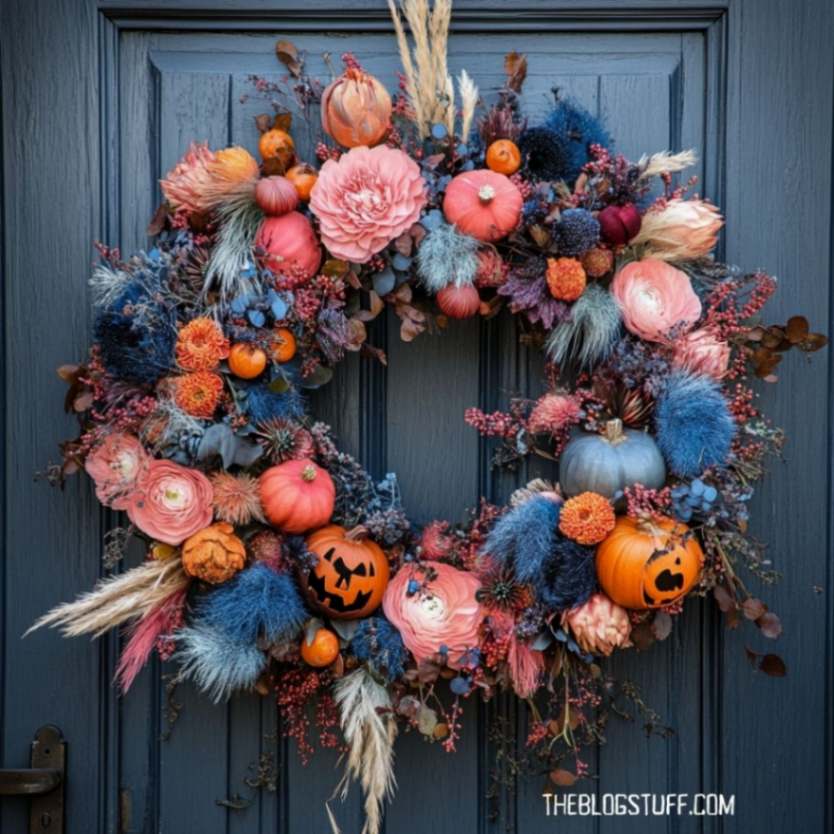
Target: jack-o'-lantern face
{"x": 350, "y": 577}
{"x": 648, "y": 565}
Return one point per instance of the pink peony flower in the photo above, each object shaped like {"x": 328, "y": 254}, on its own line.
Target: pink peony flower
{"x": 443, "y": 612}
{"x": 174, "y": 502}
{"x": 654, "y": 298}
{"x": 680, "y": 230}
{"x": 599, "y": 626}
{"x": 366, "y": 199}
{"x": 553, "y": 412}
{"x": 703, "y": 353}
{"x": 117, "y": 465}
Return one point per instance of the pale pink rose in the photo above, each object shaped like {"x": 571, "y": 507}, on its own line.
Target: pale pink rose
{"x": 654, "y": 298}
{"x": 443, "y": 612}
{"x": 117, "y": 464}
{"x": 366, "y": 199}
{"x": 174, "y": 502}
{"x": 680, "y": 230}
{"x": 702, "y": 353}
{"x": 599, "y": 626}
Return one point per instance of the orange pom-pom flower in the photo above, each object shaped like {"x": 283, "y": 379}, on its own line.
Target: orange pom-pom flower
{"x": 201, "y": 345}
{"x": 565, "y": 278}
{"x": 588, "y": 518}
{"x": 214, "y": 554}
{"x": 199, "y": 393}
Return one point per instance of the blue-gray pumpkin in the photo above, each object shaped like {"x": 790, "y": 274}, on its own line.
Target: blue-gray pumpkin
{"x": 607, "y": 463}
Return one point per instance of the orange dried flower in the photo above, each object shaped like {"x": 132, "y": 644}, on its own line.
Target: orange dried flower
{"x": 598, "y": 262}
{"x": 197, "y": 394}
{"x": 201, "y": 345}
{"x": 587, "y": 518}
{"x": 214, "y": 554}
{"x": 565, "y": 278}
{"x": 236, "y": 498}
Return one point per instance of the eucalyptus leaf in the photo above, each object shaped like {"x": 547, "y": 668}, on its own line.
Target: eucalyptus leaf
{"x": 385, "y": 281}
{"x": 345, "y": 628}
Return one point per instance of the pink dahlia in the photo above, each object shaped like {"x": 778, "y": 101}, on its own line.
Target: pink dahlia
{"x": 174, "y": 502}
{"x": 184, "y": 186}
{"x": 365, "y": 199}
{"x": 443, "y": 612}
{"x": 599, "y": 626}
{"x": 703, "y": 353}
{"x": 655, "y": 298}
{"x": 117, "y": 465}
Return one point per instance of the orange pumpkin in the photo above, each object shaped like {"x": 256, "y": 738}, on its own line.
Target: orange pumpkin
{"x": 297, "y": 495}
{"x": 504, "y": 157}
{"x": 303, "y": 177}
{"x": 246, "y": 360}
{"x": 351, "y": 574}
{"x": 277, "y": 144}
{"x": 483, "y": 204}
{"x": 356, "y": 109}
{"x": 648, "y": 564}
{"x": 283, "y": 345}
{"x": 322, "y": 650}
{"x": 290, "y": 244}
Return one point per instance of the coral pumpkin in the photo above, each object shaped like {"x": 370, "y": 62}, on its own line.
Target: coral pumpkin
{"x": 290, "y": 244}
{"x": 459, "y": 302}
{"x": 648, "y": 564}
{"x": 483, "y": 204}
{"x": 351, "y": 574}
{"x": 322, "y": 650}
{"x": 303, "y": 178}
{"x": 297, "y": 495}
{"x": 356, "y": 109}
{"x": 275, "y": 195}
{"x": 503, "y": 156}
{"x": 247, "y": 360}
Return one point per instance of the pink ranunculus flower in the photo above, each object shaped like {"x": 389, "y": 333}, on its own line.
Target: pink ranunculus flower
{"x": 366, "y": 199}
{"x": 443, "y": 612}
{"x": 599, "y": 625}
{"x": 118, "y": 465}
{"x": 174, "y": 502}
{"x": 703, "y": 353}
{"x": 655, "y": 298}
{"x": 680, "y": 230}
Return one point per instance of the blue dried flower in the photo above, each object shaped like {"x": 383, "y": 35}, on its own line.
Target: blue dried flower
{"x": 693, "y": 423}
{"x": 545, "y": 155}
{"x": 569, "y": 577}
{"x": 262, "y": 404}
{"x": 576, "y": 129}
{"x": 576, "y": 232}
{"x": 377, "y": 642}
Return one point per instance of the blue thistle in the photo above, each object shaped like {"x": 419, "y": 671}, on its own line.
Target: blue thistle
{"x": 545, "y": 155}
{"x": 258, "y": 602}
{"x": 576, "y": 232}
{"x": 447, "y": 256}
{"x": 524, "y": 537}
{"x": 263, "y": 404}
{"x": 577, "y": 130}
{"x": 569, "y": 577}
{"x": 693, "y": 424}
{"x": 377, "y": 642}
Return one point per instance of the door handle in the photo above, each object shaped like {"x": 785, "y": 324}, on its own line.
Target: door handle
{"x": 43, "y": 781}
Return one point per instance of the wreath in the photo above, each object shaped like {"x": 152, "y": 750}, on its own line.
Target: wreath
{"x": 274, "y": 561}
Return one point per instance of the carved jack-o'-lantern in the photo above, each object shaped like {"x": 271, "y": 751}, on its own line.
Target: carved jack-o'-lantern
{"x": 351, "y": 574}
{"x": 648, "y": 564}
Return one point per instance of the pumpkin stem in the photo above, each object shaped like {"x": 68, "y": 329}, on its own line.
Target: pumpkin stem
{"x": 308, "y": 473}
{"x": 614, "y": 431}
{"x": 486, "y": 193}
{"x": 357, "y": 533}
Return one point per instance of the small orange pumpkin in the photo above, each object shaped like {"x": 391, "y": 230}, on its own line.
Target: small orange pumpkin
{"x": 322, "y": 650}
{"x": 283, "y": 345}
{"x": 648, "y": 564}
{"x": 303, "y": 177}
{"x": 277, "y": 144}
{"x": 483, "y": 204}
{"x": 351, "y": 574}
{"x": 503, "y": 156}
{"x": 297, "y": 495}
{"x": 247, "y": 360}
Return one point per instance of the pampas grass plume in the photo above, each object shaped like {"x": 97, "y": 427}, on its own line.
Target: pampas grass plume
{"x": 447, "y": 256}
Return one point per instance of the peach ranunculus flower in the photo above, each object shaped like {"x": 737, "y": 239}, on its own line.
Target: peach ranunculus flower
{"x": 118, "y": 465}
{"x": 701, "y": 352}
{"x": 655, "y": 298}
{"x": 442, "y": 612}
{"x": 174, "y": 502}
{"x": 680, "y": 230}
{"x": 366, "y": 199}
{"x": 599, "y": 625}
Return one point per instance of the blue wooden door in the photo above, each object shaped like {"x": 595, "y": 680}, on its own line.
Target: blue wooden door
{"x": 100, "y": 99}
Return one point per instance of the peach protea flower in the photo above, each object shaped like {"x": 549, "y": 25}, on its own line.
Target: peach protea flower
{"x": 174, "y": 502}
{"x": 236, "y": 498}
{"x": 186, "y": 183}
{"x": 655, "y": 298}
{"x": 365, "y": 199}
{"x": 441, "y": 614}
{"x": 587, "y": 518}
{"x": 565, "y": 278}
{"x": 197, "y": 394}
{"x": 117, "y": 465}
{"x": 201, "y": 345}
{"x": 553, "y": 412}
{"x": 680, "y": 230}
{"x": 599, "y": 625}
{"x": 703, "y": 353}
{"x": 214, "y": 554}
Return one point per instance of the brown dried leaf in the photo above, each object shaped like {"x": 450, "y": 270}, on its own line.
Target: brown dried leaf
{"x": 796, "y": 329}
{"x": 358, "y": 334}
{"x": 335, "y": 268}
{"x": 540, "y": 235}
{"x": 515, "y": 65}
{"x": 283, "y": 121}
{"x": 263, "y": 122}
{"x": 661, "y": 625}
{"x": 83, "y": 402}
{"x": 404, "y": 244}
{"x": 563, "y": 778}
{"x": 812, "y": 342}
{"x": 773, "y": 665}
{"x": 642, "y": 636}
{"x": 287, "y": 54}
{"x": 157, "y": 222}
{"x": 724, "y": 598}
{"x": 274, "y": 167}
{"x": 770, "y": 625}
{"x": 753, "y": 608}
{"x": 68, "y": 373}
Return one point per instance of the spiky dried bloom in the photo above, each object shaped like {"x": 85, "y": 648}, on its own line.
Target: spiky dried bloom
{"x": 553, "y": 412}
{"x": 284, "y": 440}
{"x": 186, "y": 183}
{"x": 236, "y": 498}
